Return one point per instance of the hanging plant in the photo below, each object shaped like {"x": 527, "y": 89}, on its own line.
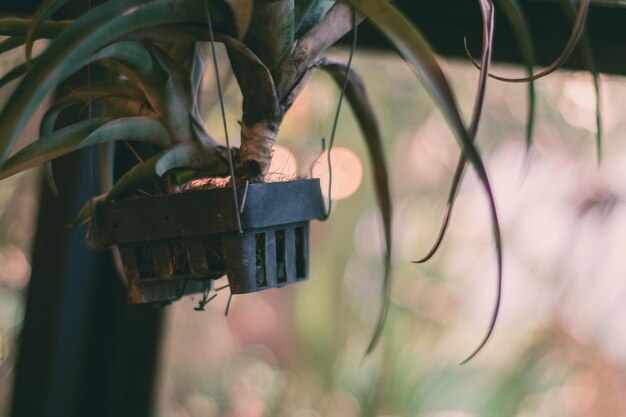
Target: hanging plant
{"x": 151, "y": 50}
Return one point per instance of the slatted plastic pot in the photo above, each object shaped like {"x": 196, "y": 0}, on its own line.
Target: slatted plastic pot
{"x": 172, "y": 245}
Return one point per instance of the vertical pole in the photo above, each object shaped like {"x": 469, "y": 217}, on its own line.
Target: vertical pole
{"x": 83, "y": 351}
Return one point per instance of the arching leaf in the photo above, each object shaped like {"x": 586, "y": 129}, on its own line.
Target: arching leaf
{"x": 10, "y": 43}
{"x": 270, "y": 33}
{"x": 366, "y": 118}
{"x": 196, "y": 74}
{"x": 102, "y": 25}
{"x": 333, "y": 26}
{"x": 13, "y": 74}
{"x": 19, "y": 27}
{"x": 85, "y": 212}
{"x": 96, "y": 92}
{"x": 242, "y": 14}
{"x": 47, "y": 9}
{"x": 577, "y": 30}
{"x": 260, "y": 100}
{"x": 135, "y": 177}
{"x": 308, "y": 13}
{"x": 462, "y": 162}
{"x": 411, "y": 44}
{"x": 89, "y": 132}
{"x": 177, "y": 99}
{"x": 192, "y": 156}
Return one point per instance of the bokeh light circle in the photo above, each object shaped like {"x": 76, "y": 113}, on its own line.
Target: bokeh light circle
{"x": 347, "y": 172}
{"x": 284, "y": 166}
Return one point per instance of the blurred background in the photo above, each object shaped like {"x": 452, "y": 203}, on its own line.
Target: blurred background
{"x": 559, "y": 348}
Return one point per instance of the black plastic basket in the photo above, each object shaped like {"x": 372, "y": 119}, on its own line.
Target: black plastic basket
{"x": 172, "y": 245}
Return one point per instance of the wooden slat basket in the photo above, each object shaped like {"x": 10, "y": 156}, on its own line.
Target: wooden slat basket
{"x": 173, "y": 245}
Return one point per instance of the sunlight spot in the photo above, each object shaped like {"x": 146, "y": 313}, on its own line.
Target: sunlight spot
{"x": 14, "y": 267}
{"x": 284, "y": 166}
{"x": 347, "y": 172}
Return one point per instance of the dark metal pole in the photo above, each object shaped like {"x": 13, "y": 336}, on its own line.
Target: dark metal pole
{"x": 83, "y": 351}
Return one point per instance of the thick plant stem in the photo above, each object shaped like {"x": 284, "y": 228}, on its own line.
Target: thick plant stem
{"x": 255, "y": 153}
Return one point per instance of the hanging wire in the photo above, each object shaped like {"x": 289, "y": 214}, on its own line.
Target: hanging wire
{"x": 205, "y": 296}
{"x": 89, "y": 116}
{"x": 219, "y": 90}
{"x": 336, "y": 121}
{"x": 230, "y": 297}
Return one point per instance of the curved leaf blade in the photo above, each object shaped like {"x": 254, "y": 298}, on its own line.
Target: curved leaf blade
{"x": 47, "y": 9}
{"x": 271, "y": 31}
{"x": 102, "y": 25}
{"x": 366, "y": 118}
{"x": 96, "y": 92}
{"x": 84, "y": 215}
{"x": 254, "y": 79}
{"x": 411, "y": 44}
{"x": 308, "y": 13}
{"x": 136, "y": 176}
{"x": 79, "y": 135}
{"x": 13, "y": 74}
{"x": 10, "y": 43}
{"x": 20, "y": 27}
{"x": 488, "y": 26}
{"x": 570, "y": 45}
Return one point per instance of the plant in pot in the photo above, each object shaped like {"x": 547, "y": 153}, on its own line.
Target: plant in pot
{"x": 151, "y": 98}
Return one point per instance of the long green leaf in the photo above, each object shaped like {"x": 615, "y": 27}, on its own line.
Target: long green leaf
{"x": 133, "y": 56}
{"x": 411, "y": 44}
{"x": 271, "y": 31}
{"x": 478, "y": 104}
{"x": 10, "y": 43}
{"x": 366, "y": 118}
{"x": 570, "y": 45}
{"x": 13, "y": 74}
{"x": 196, "y": 73}
{"x": 414, "y": 48}
{"x": 189, "y": 155}
{"x": 333, "y": 26}
{"x": 184, "y": 155}
{"x": 95, "y": 92}
{"x": 135, "y": 177}
{"x": 309, "y": 13}
{"x": 19, "y": 27}
{"x": 133, "y": 61}
{"x": 85, "y": 212}
{"x": 242, "y": 14}
{"x": 47, "y": 9}
{"x": 300, "y": 9}
{"x": 41, "y": 151}
{"x": 260, "y": 100}
{"x": 102, "y": 25}
{"x": 177, "y": 96}
{"x": 89, "y": 132}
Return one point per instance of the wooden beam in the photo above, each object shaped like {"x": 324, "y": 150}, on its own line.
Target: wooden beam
{"x": 446, "y": 22}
